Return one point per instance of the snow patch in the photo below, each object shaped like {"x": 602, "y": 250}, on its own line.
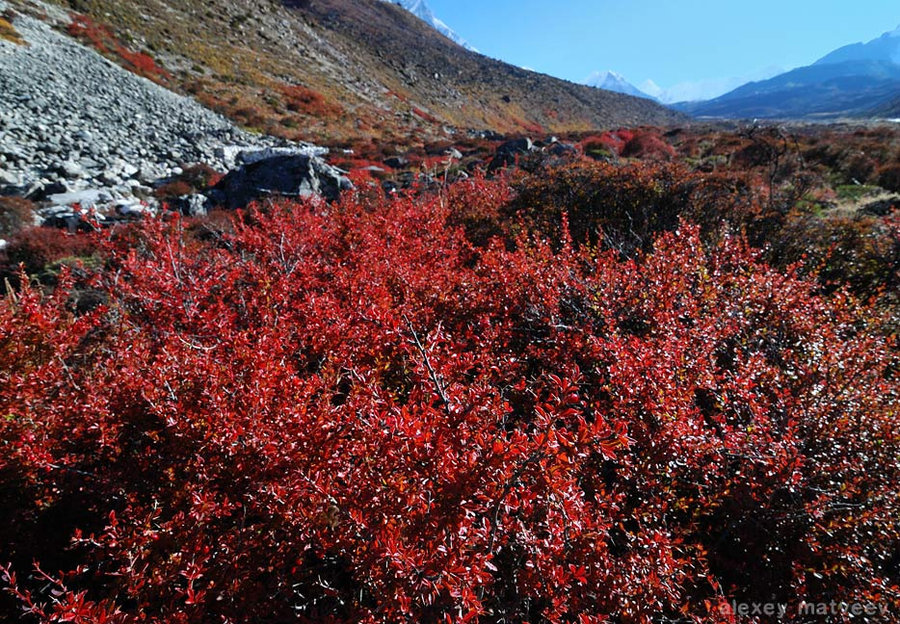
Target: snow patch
{"x": 424, "y": 13}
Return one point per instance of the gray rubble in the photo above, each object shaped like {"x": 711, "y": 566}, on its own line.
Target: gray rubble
{"x": 78, "y": 131}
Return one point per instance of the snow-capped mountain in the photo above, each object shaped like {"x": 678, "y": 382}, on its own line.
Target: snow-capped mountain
{"x": 611, "y": 81}
{"x": 424, "y": 13}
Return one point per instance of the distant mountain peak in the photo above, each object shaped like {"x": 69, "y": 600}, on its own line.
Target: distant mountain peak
{"x": 421, "y": 10}
{"x": 883, "y": 48}
{"x": 614, "y": 81}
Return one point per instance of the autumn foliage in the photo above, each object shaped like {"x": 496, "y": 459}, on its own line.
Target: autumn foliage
{"x": 302, "y": 99}
{"x": 101, "y": 38}
{"x": 353, "y": 413}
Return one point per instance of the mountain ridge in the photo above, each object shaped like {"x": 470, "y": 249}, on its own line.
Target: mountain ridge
{"x": 883, "y": 48}
{"x": 856, "y": 80}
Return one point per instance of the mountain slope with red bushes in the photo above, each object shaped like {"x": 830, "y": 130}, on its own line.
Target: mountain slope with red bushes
{"x": 368, "y": 68}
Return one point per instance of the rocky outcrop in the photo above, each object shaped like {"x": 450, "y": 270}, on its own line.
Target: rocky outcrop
{"x": 508, "y": 153}
{"x": 282, "y": 175}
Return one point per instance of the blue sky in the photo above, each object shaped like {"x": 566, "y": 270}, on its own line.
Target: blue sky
{"x": 668, "y": 41}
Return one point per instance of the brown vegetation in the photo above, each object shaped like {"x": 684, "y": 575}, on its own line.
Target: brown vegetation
{"x": 9, "y": 32}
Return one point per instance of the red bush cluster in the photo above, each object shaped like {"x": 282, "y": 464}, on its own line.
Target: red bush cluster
{"x": 36, "y": 247}
{"x": 607, "y": 144}
{"x": 421, "y": 114}
{"x": 648, "y": 145}
{"x": 351, "y": 414}
{"x": 307, "y": 101}
{"x": 104, "y": 41}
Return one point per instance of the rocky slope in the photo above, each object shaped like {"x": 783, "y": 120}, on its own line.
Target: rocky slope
{"x": 336, "y": 71}
{"x": 77, "y": 129}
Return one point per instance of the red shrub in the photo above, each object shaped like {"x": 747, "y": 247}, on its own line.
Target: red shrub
{"x": 301, "y": 99}
{"x": 142, "y": 64}
{"x": 101, "y": 38}
{"x": 648, "y": 145}
{"x": 200, "y": 176}
{"x": 600, "y": 147}
{"x": 626, "y": 207}
{"x": 426, "y": 116}
{"x": 532, "y": 127}
{"x": 36, "y": 247}
{"x": 889, "y": 177}
{"x": 176, "y": 188}
{"x": 606, "y": 144}
{"x": 84, "y": 28}
{"x": 348, "y": 414}
{"x": 16, "y": 213}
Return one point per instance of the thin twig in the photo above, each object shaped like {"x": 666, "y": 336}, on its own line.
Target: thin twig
{"x": 435, "y": 379}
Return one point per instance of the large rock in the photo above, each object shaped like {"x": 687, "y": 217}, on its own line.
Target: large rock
{"x": 291, "y": 175}
{"x": 509, "y": 152}
{"x": 192, "y": 205}
{"x": 516, "y": 146}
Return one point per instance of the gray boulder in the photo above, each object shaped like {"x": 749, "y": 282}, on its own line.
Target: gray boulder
{"x": 516, "y": 146}
{"x": 292, "y": 175}
{"x": 508, "y": 152}
{"x": 192, "y": 205}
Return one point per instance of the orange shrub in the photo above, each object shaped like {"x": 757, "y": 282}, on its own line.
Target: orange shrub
{"x": 306, "y": 101}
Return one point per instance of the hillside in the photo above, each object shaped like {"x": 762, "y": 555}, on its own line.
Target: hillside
{"x": 335, "y": 70}
{"x": 890, "y": 110}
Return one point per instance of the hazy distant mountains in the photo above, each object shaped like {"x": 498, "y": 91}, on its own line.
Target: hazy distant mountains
{"x": 858, "y": 80}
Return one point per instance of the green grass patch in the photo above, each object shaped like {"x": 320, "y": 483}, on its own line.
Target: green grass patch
{"x": 855, "y": 192}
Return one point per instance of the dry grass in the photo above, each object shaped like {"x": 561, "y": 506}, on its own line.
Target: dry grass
{"x": 9, "y": 32}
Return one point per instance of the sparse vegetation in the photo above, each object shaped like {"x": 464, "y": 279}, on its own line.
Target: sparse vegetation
{"x": 9, "y": 32}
